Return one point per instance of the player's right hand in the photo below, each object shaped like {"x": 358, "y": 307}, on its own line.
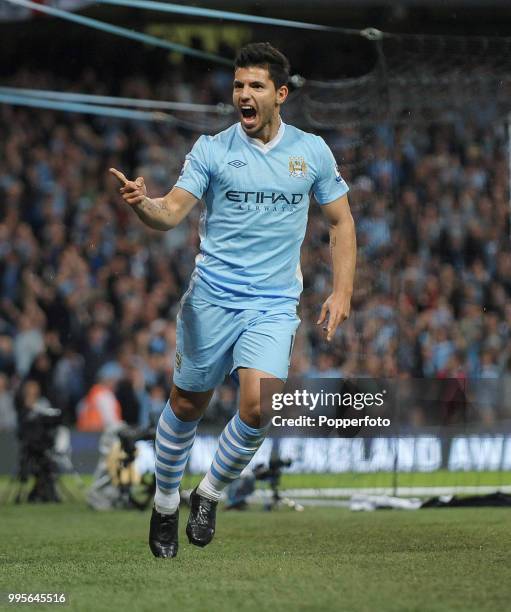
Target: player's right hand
{"x": 133, "y": 192}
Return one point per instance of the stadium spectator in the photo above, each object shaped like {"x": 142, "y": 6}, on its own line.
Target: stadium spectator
{"x": 7, "y": 410}
{"x": 68, "y": 381}
{"x": 100, "y": 408}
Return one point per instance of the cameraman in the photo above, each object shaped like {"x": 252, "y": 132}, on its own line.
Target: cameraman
{"x": 36, "y": 434}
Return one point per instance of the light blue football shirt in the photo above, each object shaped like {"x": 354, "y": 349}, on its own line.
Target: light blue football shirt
{"x": 254, "y": 219}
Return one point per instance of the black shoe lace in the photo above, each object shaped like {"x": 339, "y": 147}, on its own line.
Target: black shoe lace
{"x": 203, "y": 515}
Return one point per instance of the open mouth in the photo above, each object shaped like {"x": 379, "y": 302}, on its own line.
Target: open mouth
{"x": 248, "y": 115}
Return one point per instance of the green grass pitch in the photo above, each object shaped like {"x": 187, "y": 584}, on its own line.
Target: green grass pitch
{"x": 319, "y": 560}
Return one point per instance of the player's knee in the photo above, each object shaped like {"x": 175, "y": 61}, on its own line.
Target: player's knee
{"x": 188, "y": 406}
{"x": 250, "y": 413}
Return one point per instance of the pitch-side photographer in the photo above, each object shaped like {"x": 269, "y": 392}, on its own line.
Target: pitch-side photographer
{"x": 37, "y": 421}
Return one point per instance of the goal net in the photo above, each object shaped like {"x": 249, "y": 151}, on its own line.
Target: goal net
{"x": 423, "y": 140}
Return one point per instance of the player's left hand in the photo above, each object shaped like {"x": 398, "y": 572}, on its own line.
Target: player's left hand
{"x": 337, "y": 309}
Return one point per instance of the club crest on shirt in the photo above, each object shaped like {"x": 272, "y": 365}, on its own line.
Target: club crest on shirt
{"x": 297, "y": 166}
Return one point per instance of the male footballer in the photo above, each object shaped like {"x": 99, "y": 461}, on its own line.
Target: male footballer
{"x": 238, "y": 315}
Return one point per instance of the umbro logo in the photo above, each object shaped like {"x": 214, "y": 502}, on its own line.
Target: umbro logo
{"x": 237, "y": 163}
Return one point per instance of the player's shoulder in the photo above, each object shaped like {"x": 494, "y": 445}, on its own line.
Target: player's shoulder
{"x": 223, "y": 138}
{"x": 296, "y": 135}
{"x": 212, "y": 146}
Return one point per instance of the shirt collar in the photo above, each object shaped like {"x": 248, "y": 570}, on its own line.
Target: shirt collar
{"x": 259, "y": 144}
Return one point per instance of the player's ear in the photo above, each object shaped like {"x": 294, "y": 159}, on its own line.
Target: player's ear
{"x": 282, "y": 93}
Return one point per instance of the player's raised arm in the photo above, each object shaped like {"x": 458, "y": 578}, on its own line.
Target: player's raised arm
{"x": 343, "y": 248}
{"x": 158, "y": 213}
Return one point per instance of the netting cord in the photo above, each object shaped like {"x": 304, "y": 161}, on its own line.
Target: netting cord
{"x": 386, "y": 99}
{"x": 90, "y": 109}
{"x": 220, "y": 109}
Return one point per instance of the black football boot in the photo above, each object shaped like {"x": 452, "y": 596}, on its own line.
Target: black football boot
{"x": 201, "y": 522}
{"x": 163, "y": 534}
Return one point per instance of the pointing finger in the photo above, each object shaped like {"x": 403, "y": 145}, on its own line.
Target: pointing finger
{"x": 119, "y": 175}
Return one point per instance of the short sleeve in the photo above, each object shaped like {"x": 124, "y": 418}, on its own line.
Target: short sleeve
{"x": 329, "y": 184}
{"x": 195, "y": 173}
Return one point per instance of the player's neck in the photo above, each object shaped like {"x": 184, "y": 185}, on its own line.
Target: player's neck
{"x": 270, "y": 130}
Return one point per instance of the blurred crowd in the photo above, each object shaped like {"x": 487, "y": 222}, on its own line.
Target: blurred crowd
{"x": 89, "y": 295}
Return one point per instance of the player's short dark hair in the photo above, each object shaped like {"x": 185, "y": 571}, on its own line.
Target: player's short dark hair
{"x": 264, "y": 55}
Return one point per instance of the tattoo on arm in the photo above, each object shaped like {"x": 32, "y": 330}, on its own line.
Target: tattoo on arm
{"x": 333, "y": 242}
{"x": 149, "y": 206}
{"x": 153, "y": 214}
